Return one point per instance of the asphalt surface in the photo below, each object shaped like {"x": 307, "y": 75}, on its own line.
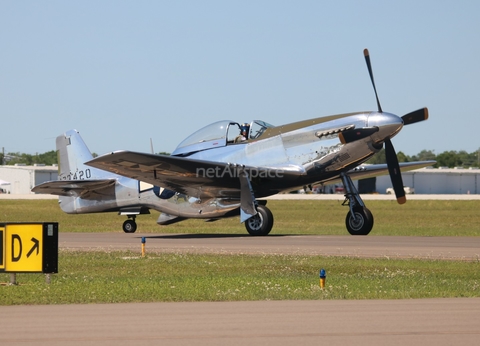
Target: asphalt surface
{"x": 378, "y": 322}
{"x": 455, "y": 248}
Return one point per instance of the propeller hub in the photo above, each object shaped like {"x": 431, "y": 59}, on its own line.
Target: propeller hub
{"x": 388, "y": 124}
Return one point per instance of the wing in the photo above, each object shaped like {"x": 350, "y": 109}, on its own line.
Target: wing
{"x": 87, "y": 189}
{"x": 193, "y": 177}
{"x": 369, "y": 171}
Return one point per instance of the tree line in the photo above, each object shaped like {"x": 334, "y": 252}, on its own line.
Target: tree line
{"x": 446, "y": 159}
{"x": 49, "y": 158}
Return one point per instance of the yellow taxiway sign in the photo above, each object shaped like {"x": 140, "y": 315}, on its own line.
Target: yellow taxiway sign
{"x": 29, "y": 247}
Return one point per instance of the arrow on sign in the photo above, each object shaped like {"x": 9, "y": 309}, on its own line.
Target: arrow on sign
{"x": 36, "y": 245}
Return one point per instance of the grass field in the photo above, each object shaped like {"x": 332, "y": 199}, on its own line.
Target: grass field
{"x": 418, "y": 218}
{"x": 96, "y": 277}
{"x": 115, "y": 277}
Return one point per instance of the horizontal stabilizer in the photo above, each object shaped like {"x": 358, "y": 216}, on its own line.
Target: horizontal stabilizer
{"x": 87, "y": 189}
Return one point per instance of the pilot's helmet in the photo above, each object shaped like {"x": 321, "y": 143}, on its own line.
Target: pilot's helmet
{"x": 244, "y": 129}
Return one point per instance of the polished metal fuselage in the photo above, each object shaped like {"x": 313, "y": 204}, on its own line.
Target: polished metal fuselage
{"x": 311, "y": 148}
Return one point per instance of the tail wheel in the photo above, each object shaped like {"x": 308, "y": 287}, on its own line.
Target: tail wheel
{"x": 362, "y": 224}
{"x": 260, "y": 224}
{"x": 129, "y": 226}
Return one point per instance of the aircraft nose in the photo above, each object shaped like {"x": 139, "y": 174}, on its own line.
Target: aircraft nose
{"x": 388, "y": 124}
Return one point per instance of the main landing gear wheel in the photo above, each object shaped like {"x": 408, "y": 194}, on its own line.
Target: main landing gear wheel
{"x": 129, "y": 226}
{"x": 363, "y": 222}
{"x": 260, "y": 224}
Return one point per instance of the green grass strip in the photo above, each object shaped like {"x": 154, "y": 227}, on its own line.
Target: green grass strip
{"x": 415, "y": 218}
{"x": 120, "y": 277}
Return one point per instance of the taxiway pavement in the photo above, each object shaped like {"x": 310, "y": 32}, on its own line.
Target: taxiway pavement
{"x": 455, "y": 248}
{"x": 369, "y": 322}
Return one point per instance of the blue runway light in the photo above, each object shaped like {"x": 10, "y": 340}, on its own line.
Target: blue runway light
{"x": 144, "y": 240}
{"x": 323, "y": 276}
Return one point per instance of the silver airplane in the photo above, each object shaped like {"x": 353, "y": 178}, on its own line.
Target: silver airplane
{"x": 225, "y": 169}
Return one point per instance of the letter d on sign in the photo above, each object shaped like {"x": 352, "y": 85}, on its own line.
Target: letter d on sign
{"x": 16, "y": 258}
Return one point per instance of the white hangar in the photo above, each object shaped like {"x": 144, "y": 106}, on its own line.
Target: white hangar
{"x": 20, "y": 179}
{"x": 437, "y": 181}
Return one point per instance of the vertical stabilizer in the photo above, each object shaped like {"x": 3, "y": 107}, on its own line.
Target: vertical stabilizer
{"x": 72, "y": 154}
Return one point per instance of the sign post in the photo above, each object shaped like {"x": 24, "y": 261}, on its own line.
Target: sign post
{"x": 29, "y": 247}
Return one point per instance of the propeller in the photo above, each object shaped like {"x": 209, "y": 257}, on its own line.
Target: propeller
{"x": 394, "y": 170}
{"x": 390, "y": 154}
{"x": 415, "y": 116}
{"x": 369, "y": 66}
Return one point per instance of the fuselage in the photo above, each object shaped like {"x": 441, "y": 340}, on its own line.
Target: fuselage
{"x": 312, "y": 147}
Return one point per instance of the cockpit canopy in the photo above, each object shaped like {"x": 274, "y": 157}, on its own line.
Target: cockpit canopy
{"x": 219, "y": 134}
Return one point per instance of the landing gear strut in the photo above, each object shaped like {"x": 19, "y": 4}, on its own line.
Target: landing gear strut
{"x": 130, "y": 226}
{"x": 359, "y": 219}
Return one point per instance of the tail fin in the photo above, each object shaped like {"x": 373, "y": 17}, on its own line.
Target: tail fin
{"x": 79, "y": 187}
{"x": 72, "y": 154}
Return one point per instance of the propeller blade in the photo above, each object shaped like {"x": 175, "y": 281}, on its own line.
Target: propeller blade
{"x": 369, "y": 66}
{"x": 415, "y": 116}
{"x": 394, "y": 170}
{"x": 349, "y": 136}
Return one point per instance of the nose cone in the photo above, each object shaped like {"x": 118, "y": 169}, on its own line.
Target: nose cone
{"x": 388, "y": 124}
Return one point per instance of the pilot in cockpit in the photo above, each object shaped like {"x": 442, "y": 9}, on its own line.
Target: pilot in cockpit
{"x": 243, "y": 136}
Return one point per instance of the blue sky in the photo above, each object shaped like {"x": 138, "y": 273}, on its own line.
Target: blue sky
{"x": 122, "y": 72}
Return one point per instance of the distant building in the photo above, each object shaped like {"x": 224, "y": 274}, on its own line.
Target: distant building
{"x": 437, "y": 181}
{"x": 23, "y": 178}
{"x": 427, "y": 181}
